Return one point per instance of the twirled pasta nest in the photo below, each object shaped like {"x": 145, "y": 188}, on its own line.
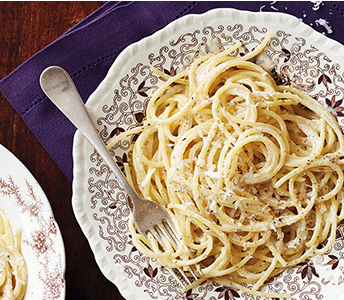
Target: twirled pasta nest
{"x": 250, "y": 172}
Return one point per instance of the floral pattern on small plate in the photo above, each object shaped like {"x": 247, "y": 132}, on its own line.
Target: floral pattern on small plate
{"x": 296, "y": 55}
{"x": 28, "y": 209}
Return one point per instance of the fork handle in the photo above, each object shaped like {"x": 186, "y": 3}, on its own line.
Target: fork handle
{"x": 60, "y": 89}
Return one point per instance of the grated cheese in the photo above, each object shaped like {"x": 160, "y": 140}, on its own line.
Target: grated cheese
{"x": 324, "y": 23}
{"x": 316, "y": 5}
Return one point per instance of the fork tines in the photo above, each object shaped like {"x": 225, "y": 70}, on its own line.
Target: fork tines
{"x": 185, "y": 275}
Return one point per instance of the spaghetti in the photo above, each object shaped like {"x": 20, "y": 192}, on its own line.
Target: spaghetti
{"x": 250, "y": 172}
{"x": 13, "y": 270}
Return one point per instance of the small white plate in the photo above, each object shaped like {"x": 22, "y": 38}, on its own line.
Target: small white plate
{"x": 27, "y": 208}
{"x": 300, "y": 55}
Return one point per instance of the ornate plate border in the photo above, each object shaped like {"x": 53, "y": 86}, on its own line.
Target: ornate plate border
{"x": 27, "y": 208}
{"x": 297, "y": 55}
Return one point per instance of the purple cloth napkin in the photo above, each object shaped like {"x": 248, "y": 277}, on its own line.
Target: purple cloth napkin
{"x": 88, "y": 49}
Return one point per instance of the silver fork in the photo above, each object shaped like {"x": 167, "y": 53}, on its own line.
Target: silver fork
{"x": 149, "y": 217}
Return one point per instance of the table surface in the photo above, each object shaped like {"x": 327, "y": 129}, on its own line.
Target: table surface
{"x": 26, "y": 28}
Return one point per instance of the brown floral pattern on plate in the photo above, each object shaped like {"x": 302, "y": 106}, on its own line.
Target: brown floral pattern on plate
{"x": 292, "y": 60}
{"x": 42, "y": 247}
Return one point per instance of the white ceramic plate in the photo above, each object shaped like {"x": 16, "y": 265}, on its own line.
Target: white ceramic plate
{"x": 301, "y": 57}
{"x": 27, "y": 208}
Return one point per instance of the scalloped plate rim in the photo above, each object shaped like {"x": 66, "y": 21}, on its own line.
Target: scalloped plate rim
{"x": 121, "y": 62}
{"x": 18, "y": 173}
